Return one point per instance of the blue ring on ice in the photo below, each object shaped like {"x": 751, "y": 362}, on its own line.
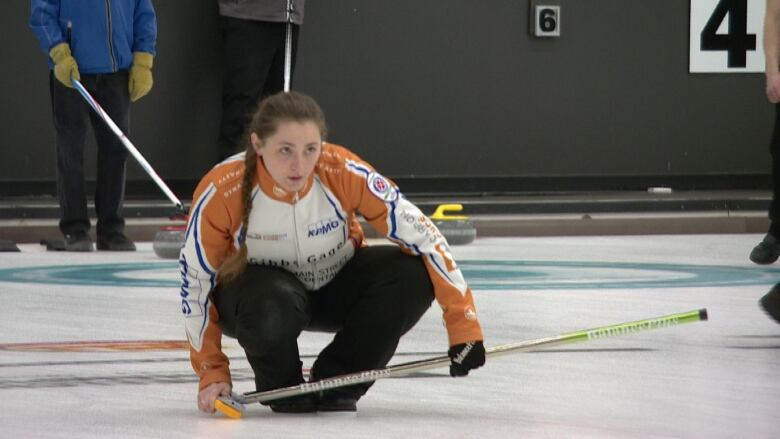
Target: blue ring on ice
{"x": 548, "y": 275}
{"x": 480, "y": 274}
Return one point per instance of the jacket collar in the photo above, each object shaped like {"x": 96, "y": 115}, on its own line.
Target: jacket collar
{"x": 276, "y": 192}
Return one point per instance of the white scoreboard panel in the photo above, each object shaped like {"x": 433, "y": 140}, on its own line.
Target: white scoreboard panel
{"x": 726, "y": 36}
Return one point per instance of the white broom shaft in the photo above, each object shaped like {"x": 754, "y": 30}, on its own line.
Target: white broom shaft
{"x": 288, "y": 48}
{"x": 125, "y": 141}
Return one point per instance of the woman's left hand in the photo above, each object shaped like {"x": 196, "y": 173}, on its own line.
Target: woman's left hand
{"x": 210, "y": 393}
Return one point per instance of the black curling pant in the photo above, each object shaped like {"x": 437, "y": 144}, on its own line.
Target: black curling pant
{"x": 774, "y": 149}
{"x": 377, "y": 297}
{"x": 254, "y": 54}
{"x": 71, "y": 113}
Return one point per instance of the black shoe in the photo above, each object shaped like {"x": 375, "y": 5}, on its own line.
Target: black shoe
{"x": 766, "y": 251}
{"x": 116, "y": 242}
{"x": 771, "y": 303}
{"x": 306, "y": 403}
{"x": 342, "y": 399}
{"x": 337, "y": 402}
{"x": 78, "y": 242}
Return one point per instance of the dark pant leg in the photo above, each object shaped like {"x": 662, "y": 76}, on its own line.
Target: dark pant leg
{"x": 266, "y": 309}
{"x": 70, "y": 123}
{"x": 375, "y": 299}
{"x": 250, "y": 50}
{"x": 774, "y": 149}
{"x": 111, "y": 92}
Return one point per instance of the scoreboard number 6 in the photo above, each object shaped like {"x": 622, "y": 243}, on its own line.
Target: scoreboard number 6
{"x": 545, "y": 19}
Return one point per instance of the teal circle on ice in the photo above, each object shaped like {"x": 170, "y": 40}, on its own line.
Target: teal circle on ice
{"x": 130, "y": 274}
{"x": 534, "y": 275}
{"x": 479, "y": 273}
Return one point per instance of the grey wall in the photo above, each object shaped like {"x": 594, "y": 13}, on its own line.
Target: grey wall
{"x": 437, "y": 88}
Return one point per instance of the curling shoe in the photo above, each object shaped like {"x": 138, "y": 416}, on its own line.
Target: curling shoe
{"x": 343, "y": 399}
{"x": 78, "y": 242}
{"x": 337, "y": 401}
{"x": 771, "y": 303}
{"x": 306, "y": 403}
{"x": 767, "y": 251}
{"x": 116, "y": 242}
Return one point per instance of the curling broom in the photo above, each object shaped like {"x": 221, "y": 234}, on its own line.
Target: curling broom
{"x": 129, "y": 145}
{"x": 233, "y": 406}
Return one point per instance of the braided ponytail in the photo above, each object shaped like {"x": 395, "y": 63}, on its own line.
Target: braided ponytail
{"x": 234, "y": 265}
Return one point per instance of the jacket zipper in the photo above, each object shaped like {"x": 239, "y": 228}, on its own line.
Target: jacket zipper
{"x": 110, "y": 33}
{"x": 298, "y": 243}
{"x": 295, "y": 228}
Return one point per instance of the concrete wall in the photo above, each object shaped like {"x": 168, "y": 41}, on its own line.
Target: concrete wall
{"x": 436, "y": 89}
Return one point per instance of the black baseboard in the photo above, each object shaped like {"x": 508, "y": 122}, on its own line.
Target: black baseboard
{"x": 459, "y": 186}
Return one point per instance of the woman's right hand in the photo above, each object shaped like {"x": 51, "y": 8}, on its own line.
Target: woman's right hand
{"x": 210, "y": 393}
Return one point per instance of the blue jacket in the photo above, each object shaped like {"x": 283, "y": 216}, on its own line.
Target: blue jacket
{"x": 103, "y": 34}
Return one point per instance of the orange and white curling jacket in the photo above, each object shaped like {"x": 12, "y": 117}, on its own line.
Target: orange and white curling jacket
{"x": 312, "y": 234}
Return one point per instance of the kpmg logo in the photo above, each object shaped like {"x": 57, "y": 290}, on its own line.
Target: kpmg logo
{"x": 323, "y": 227}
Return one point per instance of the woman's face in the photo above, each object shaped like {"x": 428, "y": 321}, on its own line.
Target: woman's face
{"x": 290, "y": 153}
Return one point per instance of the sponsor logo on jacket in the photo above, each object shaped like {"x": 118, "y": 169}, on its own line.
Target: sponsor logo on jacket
{"x": 381, "y": 188}
{"x": 268, "y": 262}
{"x": 267, "y": 237}
{"x": 229, "y": 176}
{"x": 323, "y": 227}
{"x": 230, "y": 191}
{"x": 421, "y": 224}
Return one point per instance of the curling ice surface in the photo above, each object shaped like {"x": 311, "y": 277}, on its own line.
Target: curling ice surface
{"x": 716, "y": 379}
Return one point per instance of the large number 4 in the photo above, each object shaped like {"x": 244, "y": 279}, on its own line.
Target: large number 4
{"x": 737, "y": 42}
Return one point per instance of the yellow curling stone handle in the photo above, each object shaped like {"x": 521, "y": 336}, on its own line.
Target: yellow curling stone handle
{"x": 442, "y": 209}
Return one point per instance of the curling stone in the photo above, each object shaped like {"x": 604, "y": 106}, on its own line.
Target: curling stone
{"x": 168, "y": 241}
{"x": 457, "y": 229}
{"x": 8, "y": 246}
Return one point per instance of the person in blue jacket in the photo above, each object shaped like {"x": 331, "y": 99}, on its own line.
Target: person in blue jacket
{"x": 107, "y": 45}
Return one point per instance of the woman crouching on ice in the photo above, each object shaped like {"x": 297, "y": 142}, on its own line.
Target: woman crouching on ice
{"x": 273, "y": 247}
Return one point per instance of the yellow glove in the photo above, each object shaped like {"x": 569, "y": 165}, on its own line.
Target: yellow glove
{"x": 65, "y": 66}
{"x": 140, "y": 75}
